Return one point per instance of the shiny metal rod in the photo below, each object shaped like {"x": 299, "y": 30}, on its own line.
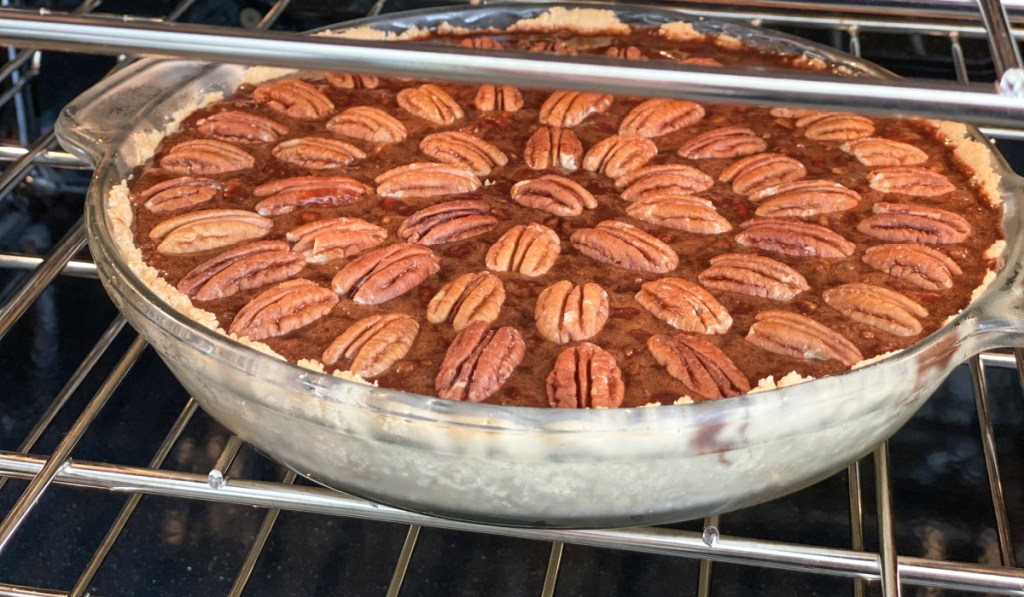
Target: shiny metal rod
{"x": 1005, "y": 53}
{"x": 258, "y": 544}
{"x": 554, "y": 565}
{"x": 736, "y": 85}
{"x": 856, "y": 518}
{"x": 73, "y": 268}
{"x": 404, "y": 557}
{"x": 891, "y": 572}
{"x": 57, "y": 159}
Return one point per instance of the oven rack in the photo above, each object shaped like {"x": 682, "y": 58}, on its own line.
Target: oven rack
{"x": 76, "y": 32}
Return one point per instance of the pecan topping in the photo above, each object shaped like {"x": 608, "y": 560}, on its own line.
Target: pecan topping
{"x": 585, "y": 376}
{"x": 627, "y": 53}
{"x": 878, "y": 307}
{"x": 625, "y": 245}
{"x": 468, "y": 298}
{"x": 352, "y": 81}
{"x": 384, "y": 273}
{"x": 430, "y": 102}
{"x": 684, "y": 306}
{"x": 910, "y": 180}
{"x": 754, "y": 275}
{"x": 317, "y": 153}
{"x": 288, "y": 194}
{"x": 242, "y": 268}
{"x": 658, "y": 117}
{"x": 876, "y": 152}
{"x": 294, "y": 98}
{"x": 498, "y": 98}
{"x": 529, "y": 250}
{"x": 805, "y": 198}
{"x": 241, "y": 127}
{"x": 481, "y": 43}
{"x": 676, "y": 179}
{"x": 836, "y": 126}
{"x": 478, "y": 362}
{"x": 207, "y": 230}
{"x": 368, "y": 124}
{"x": 556, "y": 195}
{"x": 570, "y": 313}
{"x": 791, "y": 237}
{"x": 282, "y": 309}
{"x": 679, "y": 212}
{"x": 751, "y": 174}
{"x": 324, "y": 241}
{"x": 569, "y": 108}
{"x": 204, "y": 156}
{"x": 920, "y": 266}
{"x": 798, "y": 336}
{"x": 727, "y": 142}
{"x": 447, "y": 222}
{"x": 699, "y": 364}
{"x": 553, "y": 148}
{"x": 618, "y": 155}
{"x": 465, "y": 150}
{"x": 424, "y": 179}
{"x": 907, "y": 222}
{"x": 179, "y": 193}
{"x": 373, "y": 344}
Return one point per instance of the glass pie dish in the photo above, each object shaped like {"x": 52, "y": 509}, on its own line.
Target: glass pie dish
{"x": 516, "y": 465}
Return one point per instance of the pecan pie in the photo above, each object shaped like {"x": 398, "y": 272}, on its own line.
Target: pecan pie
{"x": 563, "y": 249}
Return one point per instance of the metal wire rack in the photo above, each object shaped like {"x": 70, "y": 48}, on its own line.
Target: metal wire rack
{"x": 882, "y": 569}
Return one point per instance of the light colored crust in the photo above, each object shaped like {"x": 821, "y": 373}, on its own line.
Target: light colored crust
{"x": 790, "y": 379}
{"x": 579, "y": 20}
{"x": 729, "y": 42}
{"x": 680, "y": 31}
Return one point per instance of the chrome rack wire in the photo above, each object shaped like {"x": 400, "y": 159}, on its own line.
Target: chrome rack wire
{"x": 1002, "y": 106}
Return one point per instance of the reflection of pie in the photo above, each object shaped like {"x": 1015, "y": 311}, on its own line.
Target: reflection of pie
{"x": 573, "y": 249}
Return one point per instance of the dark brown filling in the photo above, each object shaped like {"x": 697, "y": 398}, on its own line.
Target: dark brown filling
{"x": 629, "y": 326}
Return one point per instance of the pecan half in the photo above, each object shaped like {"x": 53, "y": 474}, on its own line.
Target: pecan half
{"x": 569, "y": 313}
{"x": 324, "y": 241}
{"x": 684, "y": 306}
{"x": 878, "y": 307}
{"x": 727, "y": 142}
{"x": 207, "y": 230}
{"x": 917, "y": 265}
{"x": 242, "y": 268}
{"x": 798, "y": 336}
{"x": 478, "y": 362}
{"x": 430, "y": 102}
{"x": 585, "y": 376}
{"x": 556, "y": 195}
{"x": 659, "y": 180}
{"x": 384, "y": 273}
{"x": 751, "y": 174}
{"x": 625, "y": 245}
{"x": 241, "y": 127}
{"x": 373, "y": 344}
{"x": 657, "y": 117}
{"x": 791, "y": 237}
{"x": 179, "y": 193}
{"x": 468, "y": 298}
{"x": 481, "y": 43}
{"x": 368, "y": 124}
{"x": 679, "y": 212}
{"x": 910, "y": 180}
{"x": 753, "y": 275}
{"x": 805, "y": 198}
{"x": 699, "y": 364}
{"x": 876, "y": 152}
{"x": 465, "y": 150}
{"x": 553, "y": 148}
{"x": 529, "y": 250}
{"x": 204, "y": 156}
{"x": 619, "y": 155}
{"x": 836, "y": 126}
{"x": 569, "y": 108}
{"x": 352, "y": 81}
{"x": 317, "y": 153}
{"x": 294, "y": 98}
{"x": 425, "y": 179}
{"x": 447, "y": 222}
{"x": 282, "y": 309}
{"x": 627, "y": 53}
{"x": 498, "y": 98}
{"x": 908, "y": 222}
{"x": 288, "y": 194}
